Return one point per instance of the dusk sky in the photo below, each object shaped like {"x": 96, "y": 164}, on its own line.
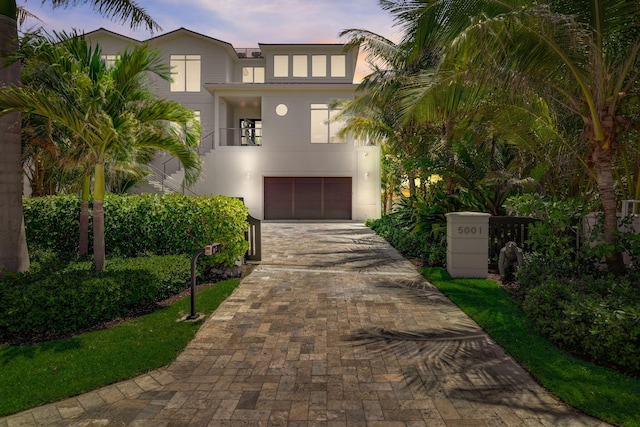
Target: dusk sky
{"x": 243, "y": 23}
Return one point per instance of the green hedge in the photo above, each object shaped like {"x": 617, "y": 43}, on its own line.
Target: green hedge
{"x": 52, "y": 223}
{"x": 142, "y": 225}
{"x": 599, "y": 320}
{"x": 52, "y": 302}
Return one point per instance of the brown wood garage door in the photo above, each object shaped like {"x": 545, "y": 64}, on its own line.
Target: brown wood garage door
{"x": 307, "y": 198}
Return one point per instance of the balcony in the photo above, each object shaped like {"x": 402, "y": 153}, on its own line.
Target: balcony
{"x": 241, "y": 137}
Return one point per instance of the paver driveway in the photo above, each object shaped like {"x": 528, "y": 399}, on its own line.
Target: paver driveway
{"x": 334, "y": 328}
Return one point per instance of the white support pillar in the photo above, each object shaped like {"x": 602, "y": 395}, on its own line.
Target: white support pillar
{"x": 467, "y": 244}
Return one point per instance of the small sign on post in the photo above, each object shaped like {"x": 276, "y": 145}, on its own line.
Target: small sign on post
{"x": 467, "y": 244}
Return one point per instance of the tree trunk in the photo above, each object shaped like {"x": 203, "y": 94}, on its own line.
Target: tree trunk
{"x": 98, "y": 218}
{"x": 83, "y": 244}
{"x": 604, "y": 175}
{"x": 412, "y": 184}
{"x": 14, "y": 255}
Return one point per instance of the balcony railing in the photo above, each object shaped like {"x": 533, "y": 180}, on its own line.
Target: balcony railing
{"x": 236, "y": 137}
{"x": 254, "y": 53}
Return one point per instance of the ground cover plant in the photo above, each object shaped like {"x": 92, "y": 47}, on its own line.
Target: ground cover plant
{"x": 426, "y": 241}
{"x": 595, "y": 390}
{"x": 35, "y": 374}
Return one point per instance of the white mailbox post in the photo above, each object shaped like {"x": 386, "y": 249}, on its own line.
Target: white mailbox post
{"x": 467, "y": 244}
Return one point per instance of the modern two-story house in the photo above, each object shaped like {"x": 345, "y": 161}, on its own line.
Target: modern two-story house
{"x": 266, "y": 130}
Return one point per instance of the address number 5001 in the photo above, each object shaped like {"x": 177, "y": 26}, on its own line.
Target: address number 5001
{"x": 472, "y": 230}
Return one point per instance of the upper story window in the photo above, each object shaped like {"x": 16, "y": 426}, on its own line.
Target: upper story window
{"x": 252, "y": 74}
{"x": 110, "y": 60}
{"x": 315, "y": 65}
{"x": 300, "y": 66}
{"x": 323, "y": 130}
{"x": 318, "y": 65}
{"x": 186, "y": 73}
{"x": 338, "y": 66}
{"x": 280, "y": 65}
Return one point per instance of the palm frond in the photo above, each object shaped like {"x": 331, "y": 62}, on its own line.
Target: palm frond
{"x": 123, "y": 10}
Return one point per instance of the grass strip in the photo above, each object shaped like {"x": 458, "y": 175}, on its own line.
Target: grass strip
{"x": 592, "y": 389}
{"x": 33, "y": 375}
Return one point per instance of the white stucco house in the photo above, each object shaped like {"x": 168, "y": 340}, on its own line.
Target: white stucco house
{"x": 266, "y": 134}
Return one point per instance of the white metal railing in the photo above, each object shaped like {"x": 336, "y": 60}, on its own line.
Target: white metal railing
{"x": 165, "y": 183}
{"x": 230, "y": 137}
{"x": 172, "y": 165}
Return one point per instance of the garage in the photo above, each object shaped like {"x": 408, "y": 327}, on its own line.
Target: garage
{"x": 307, "y": 198}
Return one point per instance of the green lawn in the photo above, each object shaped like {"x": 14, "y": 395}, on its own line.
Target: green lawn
{"x": 36, "y": 374}
{"x": 594, "y": 390}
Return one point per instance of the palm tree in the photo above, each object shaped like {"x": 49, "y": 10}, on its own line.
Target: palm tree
{"x": 111, "y": 111}
{"x": 375, "y": 114}
{"x": 14, "y": 255}
{"x": 578, "y": 55}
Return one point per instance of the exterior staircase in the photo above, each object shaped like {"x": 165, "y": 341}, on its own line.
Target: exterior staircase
{"x": 165, "y": 184}
{"x": 162, "y": 181}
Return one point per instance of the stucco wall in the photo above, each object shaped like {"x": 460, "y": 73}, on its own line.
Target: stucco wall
{"x": 286, "y": 150}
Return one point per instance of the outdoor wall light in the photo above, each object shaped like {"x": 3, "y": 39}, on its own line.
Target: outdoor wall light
{"x": 248, "y": 175}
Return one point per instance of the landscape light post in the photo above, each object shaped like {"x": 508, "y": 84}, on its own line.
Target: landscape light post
{"x": 208, "y": 250}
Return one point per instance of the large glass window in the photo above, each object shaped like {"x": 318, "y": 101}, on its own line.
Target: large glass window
{"x": 186, "y": 73}
{"x": 280, "y": 66}
{"x": 253, "y": 74}
{"x": 338, "y": 66}
{"x": 300, "y": 67}
{"x": 323, "y": 130}
{"x": 319, "y": 66}
{"x": 251, "y": 132}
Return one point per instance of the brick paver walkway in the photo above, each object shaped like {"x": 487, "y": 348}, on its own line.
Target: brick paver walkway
{"x": 334, "y": 328}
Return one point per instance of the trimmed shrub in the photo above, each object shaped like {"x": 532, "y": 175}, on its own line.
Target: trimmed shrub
{"x": 40, "y": 305}
{"x": 175, "y": 224}
{"x": 589, "y": 314}
{"x": 143, "y": 225}
{"x": 53, "y": 223}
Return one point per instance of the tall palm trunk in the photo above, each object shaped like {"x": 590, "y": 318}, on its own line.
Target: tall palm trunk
{"x": 84, "y": 215}
{"x": 14, "y": 255}
{"x": 98, "y": 218}
{"x": 604, "y": 175}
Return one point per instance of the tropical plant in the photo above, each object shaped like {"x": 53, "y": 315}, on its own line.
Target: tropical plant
{"x": 579, "y": 56}
{"x": 110, "y": 111}
{"x": 435, "y": 138}
{"x": 14, "y": 255}
{"x": 375, "y": 115}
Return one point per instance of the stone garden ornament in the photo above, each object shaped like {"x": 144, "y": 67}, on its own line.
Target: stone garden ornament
{"x": 510, "y": 259}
